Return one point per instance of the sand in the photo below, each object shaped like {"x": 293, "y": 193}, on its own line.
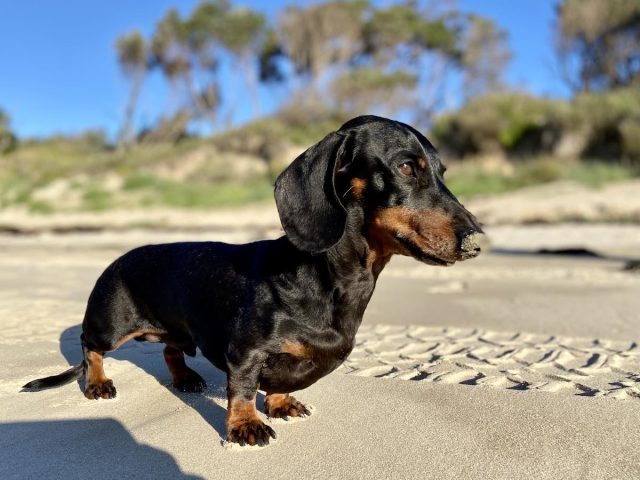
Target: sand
{"x": 514, "y": 365}
{"x": 561, "y": 202}
{"x": 513, "y": 360}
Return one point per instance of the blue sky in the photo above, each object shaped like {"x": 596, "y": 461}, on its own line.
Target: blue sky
{"x": 59, "y": 71}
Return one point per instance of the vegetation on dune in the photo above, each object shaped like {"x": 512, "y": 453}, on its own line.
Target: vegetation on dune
{"x": 8, "y": 140}
{"x": 469, "y": 179}
{"x": 158, "y": 192}
{"x": 603, "y": 125}
{"x": 81, "y": 174}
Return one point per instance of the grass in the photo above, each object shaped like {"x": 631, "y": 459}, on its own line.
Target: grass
{"x": 40, "y": 207}
{"x": 96, "y": 199}
{"x": 37, "y": 164}
{"x": 468, "y": 180}
{"x": 273, "y": 130}
{"x": 594, "y": 174}
{"x": 157, "y": 191}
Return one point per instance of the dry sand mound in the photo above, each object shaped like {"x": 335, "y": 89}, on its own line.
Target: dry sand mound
{"x": 561, "y": 202}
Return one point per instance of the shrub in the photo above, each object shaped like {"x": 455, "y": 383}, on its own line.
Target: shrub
{"x": 613, "y": 121}
{"x": 630, "y": 135}
{"x": 8, "y": 142}
{"x": 514, "y": 123}
{"x": 517, "y": 124}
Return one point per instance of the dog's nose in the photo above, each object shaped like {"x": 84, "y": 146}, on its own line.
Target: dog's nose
{"x": 471, "y": 243}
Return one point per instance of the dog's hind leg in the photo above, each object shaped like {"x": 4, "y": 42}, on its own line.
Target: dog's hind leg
{"x": 184, "y": 378}
{"x": 96, "y": 385}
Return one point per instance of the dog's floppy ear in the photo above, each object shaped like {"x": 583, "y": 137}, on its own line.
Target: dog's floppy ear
{"x": 311, "y": 213}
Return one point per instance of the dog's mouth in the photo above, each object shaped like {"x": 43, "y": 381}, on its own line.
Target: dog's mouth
{"x": 465, "y": 252}
{"x": 429, "y": 258}
{"x": 465, "y": 255}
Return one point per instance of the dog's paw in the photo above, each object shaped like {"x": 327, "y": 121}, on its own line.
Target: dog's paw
{"x": 94, "y": 391}
{"x": 284, "y": 406}
{"x": 192, "y": 383}
{"x": 251, "y": 432}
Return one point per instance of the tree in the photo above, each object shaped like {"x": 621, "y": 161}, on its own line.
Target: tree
{"x": 421, "y": 42}
{"x": 484, "y": 57}
{"x": 313, "y": 39}
{"x": 189, "y": 52}
{"x": 345, "y": 56}
{"x": 598, "y": 43}
{"x": 241, "y": 35}
{"x": 362, "y": 57}
{"x": 133, "y": 57}
{"x": 183, "y": 50}
{"x": 8, "y": 140}
{"x": 365, "y": 90}
{"x": 169, "y": 46}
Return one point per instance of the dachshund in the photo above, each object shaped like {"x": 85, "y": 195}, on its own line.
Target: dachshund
{"x": 277, "y": 315}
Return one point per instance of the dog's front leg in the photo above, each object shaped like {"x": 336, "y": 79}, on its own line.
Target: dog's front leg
{"x": 243, "y": 424}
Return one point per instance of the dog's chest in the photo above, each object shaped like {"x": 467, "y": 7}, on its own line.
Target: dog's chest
{"x": 300, "y": 363}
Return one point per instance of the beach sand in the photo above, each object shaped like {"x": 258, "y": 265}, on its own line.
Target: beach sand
{"x": 513, "y": 365}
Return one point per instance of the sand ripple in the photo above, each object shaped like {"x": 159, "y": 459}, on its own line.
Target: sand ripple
{"x": 518, "y": 361}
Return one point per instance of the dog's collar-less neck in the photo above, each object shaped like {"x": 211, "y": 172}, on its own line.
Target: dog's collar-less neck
{"x": 354, "y": 283}
{"x": 351, "y": 256}
{"x": 355, "y": 252}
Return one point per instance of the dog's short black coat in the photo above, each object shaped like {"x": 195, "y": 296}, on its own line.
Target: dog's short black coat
{"x": 280, "y": 314}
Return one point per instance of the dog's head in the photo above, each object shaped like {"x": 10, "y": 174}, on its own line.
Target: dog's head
{"x": 391, "y": 176}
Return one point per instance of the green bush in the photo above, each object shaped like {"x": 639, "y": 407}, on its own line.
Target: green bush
{"x": 268, "y": 137}
{"x": 510, "y": 122}
{"x": 630, "y": 133}
{"x": 517, "y": 124}
{"x": 613, "y": 121}
{"x": 606, "y": 109}
{"x": 8, "y": 142}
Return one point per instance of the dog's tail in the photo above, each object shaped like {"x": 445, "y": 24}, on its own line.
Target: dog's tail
{"x": 56, "y": 380}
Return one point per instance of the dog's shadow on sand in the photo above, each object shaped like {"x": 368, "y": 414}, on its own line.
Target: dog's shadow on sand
{"x": 148, "y": 357}
{"x": 81, "y": 448}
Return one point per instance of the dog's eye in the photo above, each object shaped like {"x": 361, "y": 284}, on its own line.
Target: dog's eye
{"x": 407, "y": 168}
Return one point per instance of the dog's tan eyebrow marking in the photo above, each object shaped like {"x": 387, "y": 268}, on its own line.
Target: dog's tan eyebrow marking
{"x": 357, "y": 186}
{"x": 422, "y": 162}
{"x": 297, "y": 349}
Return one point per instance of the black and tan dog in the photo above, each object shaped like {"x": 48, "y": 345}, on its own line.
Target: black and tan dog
{"x": 277, "y": 315}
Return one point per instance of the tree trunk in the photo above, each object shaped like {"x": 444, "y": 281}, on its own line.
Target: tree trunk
{"x": 127, "y": 134}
